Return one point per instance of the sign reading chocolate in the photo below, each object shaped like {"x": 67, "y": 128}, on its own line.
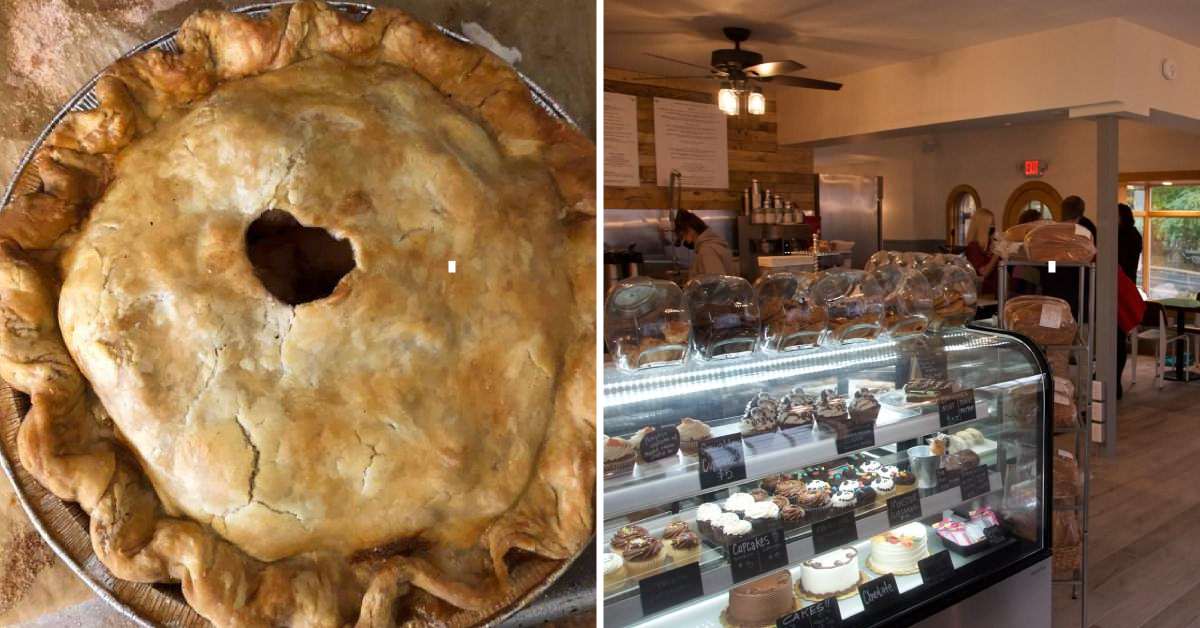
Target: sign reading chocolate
{"x": 879, "y": 593}
{"x": 903, "y": 508}
{"x": 661, "y": 443}
{"x": 757, "y": 555}
{"x": 722, "y": 460}
{"x": 662, "y": 591}
{"x": 834, "y": 532}
{"x": 975, "y": 482}
{"x": 823, "y": 614}
{"x": 956, "y": 407}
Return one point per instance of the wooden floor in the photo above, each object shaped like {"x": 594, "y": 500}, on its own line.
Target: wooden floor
{"x": 1144, "y": 544}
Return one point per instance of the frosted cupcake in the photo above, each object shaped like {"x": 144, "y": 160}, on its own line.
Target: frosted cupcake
{"x": 843, "y": 501}
{"x": 614, "y": 571}
{"x": 691, "y": 433}
{"x": 738, "y": 502}
{"x": 705, "y": 515}
{"x": 884, "y": 487}
{"x": 763, "y": 516}
{"x": 619, "y": 455}
{"x": 684, "y": 548}
{"x": 643, "y": 555}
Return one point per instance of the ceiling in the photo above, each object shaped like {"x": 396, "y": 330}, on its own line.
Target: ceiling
{"x": 838, "y": 37}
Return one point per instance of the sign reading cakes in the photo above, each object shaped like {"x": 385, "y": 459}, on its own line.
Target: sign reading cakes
{"x": 659, "y": 444}
{"x": 668, "y": 589}
{"x": 757, "y": 555}
{"x": 823, "y": 614}
{"x": 722, "y": 460}
{"x": 954, "y": 408}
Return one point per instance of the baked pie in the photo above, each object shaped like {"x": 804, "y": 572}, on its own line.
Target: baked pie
{"x": 227, "y": 297}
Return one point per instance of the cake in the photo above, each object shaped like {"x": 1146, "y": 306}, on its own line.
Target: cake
{"x": 614, "y": 571}
{"x": 691, "y": 434}
{"x": 831, "y": 412}
{"x": 619, "y": 456}
{"x": 897, "y": 551}
{"x": 760, "y": 602}
{"x": 834, "y": 574}
{"x": 642, "y": 555}
{"x": 756, "y": 421}
{"x": 226, "y": 295}
{"x": 923, "y": 390}
{"x": 683, "y": 548}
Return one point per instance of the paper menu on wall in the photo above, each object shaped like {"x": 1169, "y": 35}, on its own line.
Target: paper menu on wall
{"x": 620, "y": 140}
{"x": 690, "y": 137}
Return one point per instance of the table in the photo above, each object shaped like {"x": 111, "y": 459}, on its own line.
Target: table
{"x": 1182, "y": 307}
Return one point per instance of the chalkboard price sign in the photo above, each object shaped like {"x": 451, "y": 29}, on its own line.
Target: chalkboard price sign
{"x": 834, "y": 532}
{"x": 823, "y": 614}
{"x": 957, "y": 407}
{"x": 669, "y": 589}
{"x": 936, "y": 568}
{"x": 903, "y": 508}
{"x": 858, "y": 437}
{"x": 975, "y": 482}
{"x": 722, "y": 460}
{"x": 757, "y": 555}
{"x": 879, "y": 593}
{"x": 662, "y": 443}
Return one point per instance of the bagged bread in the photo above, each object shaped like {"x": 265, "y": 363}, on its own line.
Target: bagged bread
{"x": 1067, "y": 536}
{"x": 1017, "y": 233}
{"x": 1059, "y": 359}
{"x": 1066, "y": 413}
{"x": 1067, "y": 481}
{"x": 1046, "y": 320}
{"x": 1060, "y": 241}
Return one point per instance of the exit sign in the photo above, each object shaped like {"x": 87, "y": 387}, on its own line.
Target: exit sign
{"x": 1034, "y": 167}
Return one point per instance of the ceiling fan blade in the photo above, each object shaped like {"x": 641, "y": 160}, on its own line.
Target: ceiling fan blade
{"x": 702, "y": 67}
{"x": 774, "y": 68}
{"x": 799, "y": 81}
{"x": 664, "y": 78}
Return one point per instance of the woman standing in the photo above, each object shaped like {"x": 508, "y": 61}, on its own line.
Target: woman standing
{"x": 979, "y": 249}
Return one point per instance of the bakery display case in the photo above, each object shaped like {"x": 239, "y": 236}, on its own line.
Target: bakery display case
{"x": 875, "y": 481}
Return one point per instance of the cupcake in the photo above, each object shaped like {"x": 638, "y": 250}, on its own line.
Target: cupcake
{"x": 792, "y": 517}
{"x": 888, "y": 471}
{"x": 691, "y": 433}
{"x": 904, "y": 477}
{"x": 614, "y": 571}
{"x": 674, "y": 529}
{"x": 865, "y": 495}
{"x": 884, "y": 487}
{"x": 793, "y": 417}
{"x": 864, "y": 408}
{"x": 626, "y": 534}
{"x": 870, "y": 467}
{"x": 723, "y": 521}
{"x": 818, "y": 485}
{"x": 831, "y": 412}
{"x": 849, "y": 485}
{"x": 737, "y": 531}
{"x": 760, "y": 495}
{"x": 737, "y": 502}
{"x": 815, "y": 503}
{"x": 791, "y": 491}
{"x": 618, "y": 457}
{"x": 781, "y": 502}
{"x": 843, "y": 501}
{"x": 772, "y": 481}
{"x": 763, "y": 516}
{"x": 683, "y": 548}
{"x": 643, "y": 555}
{"x": 757, "y": 421}
{"x": 705, "y": 515}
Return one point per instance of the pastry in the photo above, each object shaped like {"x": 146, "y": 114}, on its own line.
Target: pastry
{"x": 904, "y": 477}
{"x": 760, "y": 602}
{"x": 870, "y": 467}
{"x": 884, "y": 487}
{"x": 888, "y": 471}
{"x": 792, "y": 516}
{"x": 225, "y": 294}
{"x": 756, "y": 421}
{"x": 643, "y": 555}
{"x": 923, "y": 390}
{"x": 818, "y": 485}
{"x": 849, "y": 485}
{"x": 735, "y": 531}
{"x": 815, "y": 503}
{"x": 760, "y": 495}
{"x": 763, "y": 516}
{"x": 843, "y": 501}
{"x": 625, "y": 534}
{"x": 864, "y": 409}
{"x": 794, "y": 416}
{"x": 771, "y": 482}
{"x": 965, "y": 459}
{"x": 865, "y": 495}
{"x": 957, "y": 534}
{"x": 691, "y": 434}
{"x": 683, "y": 548}
{"x": 706, "y": 513}
{"x": 780, "y": 501}
{"x": 939, "y": 445}
{"x": 791, "y": 491}
{"x": 614, "y": 571}
{"x": 897, "y": 551}
{"x": 831, "y": 412}
{"x": 674, "y": 529}
{"x": 984, "y": 516}
{"x": 834, "y": 574}
{"x": 619, "y": 456}
{"x": 738, "y": 502}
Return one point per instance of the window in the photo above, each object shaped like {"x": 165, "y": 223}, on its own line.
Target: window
{"x": 1168, "y": 215}
{"x": 1037, "y": 195}
{"x": 960, "y": 206}
{"x": 1041, "y": 207}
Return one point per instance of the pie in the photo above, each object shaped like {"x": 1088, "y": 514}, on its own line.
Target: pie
{"x": 228, "y": 295}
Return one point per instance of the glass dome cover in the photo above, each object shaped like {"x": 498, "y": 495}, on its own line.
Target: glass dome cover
{"x": 791, "y": 318}
{"x": 646, "y": 323}
{"x": 908, "y": 300}
{"x": 725, "y": 319}
{"x": 954, "y": 293}
{"x": 853, "y": 301}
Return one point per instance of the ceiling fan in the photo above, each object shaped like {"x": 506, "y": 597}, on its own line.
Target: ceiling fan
{"x": 740, "y": 71}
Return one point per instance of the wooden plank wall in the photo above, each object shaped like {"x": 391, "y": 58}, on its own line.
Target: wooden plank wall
{"x": 753, "y": 152}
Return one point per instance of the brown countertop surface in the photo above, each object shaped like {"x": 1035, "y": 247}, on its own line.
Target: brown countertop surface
{"x": 49, "y": 48}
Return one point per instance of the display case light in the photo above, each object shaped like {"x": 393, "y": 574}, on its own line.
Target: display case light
{"x": 756, "y": 103}
{"x": 727, "y": 99}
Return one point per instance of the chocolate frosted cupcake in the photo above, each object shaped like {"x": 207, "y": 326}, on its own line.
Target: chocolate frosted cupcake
{"x": 904, "y": 477}
{"x": 626, "y": 534}
{"x": 763, "y": 516}
{"x": 781, "y": 501}
{"x": 683, "y": 548}
{"x": 793, "y": 517}
{"x": 815, "y": 503}
{"x": 831, "y": 412}
{"x": 864, "y": 408}
{"x": 792, "y": 491}
{"x": 865, "y": 495}
{"x": 772, "y": 481}
{"x": 760, "y": 495}
{"x": 643, "y": 555}
{"x": 619, "y": 455}
{"x": 674, "y": 529}
{"x": 691, "y": 434}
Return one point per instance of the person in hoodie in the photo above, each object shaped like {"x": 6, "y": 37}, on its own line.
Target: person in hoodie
{"x": 713, "y": 256}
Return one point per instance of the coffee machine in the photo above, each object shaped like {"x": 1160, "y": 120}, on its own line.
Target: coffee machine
{"x": 622, "y": 264}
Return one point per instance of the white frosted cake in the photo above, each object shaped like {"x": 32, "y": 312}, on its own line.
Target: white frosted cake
{"x": 897, "y": 551}
{"x": 832, "y": 574}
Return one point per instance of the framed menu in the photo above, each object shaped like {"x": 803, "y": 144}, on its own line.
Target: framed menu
{"x": 620, "y": 140}
{"x": 690, "y": 137}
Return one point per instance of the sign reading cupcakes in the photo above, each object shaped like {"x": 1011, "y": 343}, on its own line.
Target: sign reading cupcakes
{"x": 757, "y": 554}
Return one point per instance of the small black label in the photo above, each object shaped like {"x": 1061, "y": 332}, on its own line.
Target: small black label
{"x": 757, "y": 555}
{"x": 903, "y": 508}
{"x": 859, "y": 437}
{"x": 834, "y": 532}
{"x": 823, "y": 614}
{"x": 947, "y": 480}
{"x": 668, "y": 589}
{"x": 936, "y": 568}
{"x": 662, "y": 443}
{"x": 995, "y": 534}
{"x": 975, "y": 482}
{"x": 956, "y": 407}
{"x": 931, "y": 357}
{"x": 881, "y": 592}
{"x": 722, "y": 460}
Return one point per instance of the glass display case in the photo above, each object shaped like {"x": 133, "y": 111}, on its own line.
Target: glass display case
{"x": 878, "y": 482}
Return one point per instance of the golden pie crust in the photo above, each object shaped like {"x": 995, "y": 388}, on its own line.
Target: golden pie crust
{"x": 373, "y": 456}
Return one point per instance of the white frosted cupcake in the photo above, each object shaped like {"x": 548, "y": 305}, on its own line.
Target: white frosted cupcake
{"x": 705, "y": 515}
{"x": 884, "y": 487}
{"x": 614, "y": 571}
{"x": 738, "y": 502}
{"x": 763, "y": 516}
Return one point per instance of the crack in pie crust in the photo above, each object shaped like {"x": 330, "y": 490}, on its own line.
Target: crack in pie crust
{"x": 371, "y": 456}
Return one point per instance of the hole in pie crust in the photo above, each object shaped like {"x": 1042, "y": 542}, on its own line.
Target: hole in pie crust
{"x": 296, "y": 263}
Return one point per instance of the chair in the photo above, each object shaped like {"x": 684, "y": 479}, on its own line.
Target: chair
{"x": 1156, "y": 319}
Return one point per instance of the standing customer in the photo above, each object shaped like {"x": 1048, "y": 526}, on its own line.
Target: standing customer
{"x": 1026, "y": 279}
{"x": 979, "y": 249}
{"x": 713, "y": 256}
{"x": 1064, "y": 284}
{"x": 1129, "y": 251}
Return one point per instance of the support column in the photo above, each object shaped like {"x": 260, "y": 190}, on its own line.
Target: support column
{"x": 1107, "y": 170}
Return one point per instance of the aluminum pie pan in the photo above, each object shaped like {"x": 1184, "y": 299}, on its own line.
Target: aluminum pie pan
{"x": 64, "y": 526}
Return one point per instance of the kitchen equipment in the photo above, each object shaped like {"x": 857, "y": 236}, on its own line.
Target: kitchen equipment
{"x": 849, "y": 207}
{"x": 622, "y": 264}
